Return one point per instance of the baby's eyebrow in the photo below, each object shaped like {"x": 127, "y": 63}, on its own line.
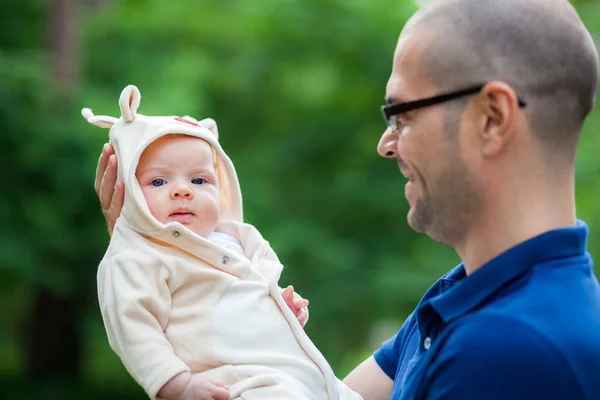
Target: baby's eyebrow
{"x": 159, "y": 166}
{"x": 155, "y": 170}
{"x": 208, "y": 172}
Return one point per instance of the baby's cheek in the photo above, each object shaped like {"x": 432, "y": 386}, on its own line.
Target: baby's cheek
{"x": 210, "y": 213}
{"x": 155, "y": 213}
{"x": 212, "y": 210}
{"x": 155, "y": 206}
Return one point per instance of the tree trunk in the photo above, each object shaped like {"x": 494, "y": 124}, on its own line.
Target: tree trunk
{"x": 53, "y": 343}
{"x": 62, "y": 41}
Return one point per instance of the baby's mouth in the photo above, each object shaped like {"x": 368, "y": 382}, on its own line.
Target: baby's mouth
{"x": 182, "y": 211}
{"x": 182, "y": 216}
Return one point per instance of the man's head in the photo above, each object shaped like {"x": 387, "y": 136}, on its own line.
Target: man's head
{"x": 178, "y": 179}
{"x": 461, "y": 155}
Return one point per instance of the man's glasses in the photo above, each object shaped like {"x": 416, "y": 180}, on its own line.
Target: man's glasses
{"x": 391, "y": 112}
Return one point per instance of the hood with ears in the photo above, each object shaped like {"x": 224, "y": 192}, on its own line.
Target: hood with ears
{"x": 132, "y": 133}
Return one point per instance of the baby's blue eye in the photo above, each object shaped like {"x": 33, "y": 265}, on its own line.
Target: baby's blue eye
{"x": 198, "y": 181}
{"x": 158, "y": 182}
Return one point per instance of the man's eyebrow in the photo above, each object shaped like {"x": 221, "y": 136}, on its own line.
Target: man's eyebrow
{"x": 391, "y": 100}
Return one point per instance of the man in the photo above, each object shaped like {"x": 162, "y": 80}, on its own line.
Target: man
{"x": 486, "y": 101}
{"x": 491, "y": 173}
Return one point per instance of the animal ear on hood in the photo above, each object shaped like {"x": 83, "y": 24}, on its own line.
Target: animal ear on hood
{"x": 211, "y": 125}
{"x": 129, "y": 102}
{"x": 103, "y": 121}
{"x": 207, "y": 123}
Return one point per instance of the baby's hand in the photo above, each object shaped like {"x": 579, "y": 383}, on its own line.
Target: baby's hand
{"x": 298, "y": 306}
{"x": 200, "y": 388}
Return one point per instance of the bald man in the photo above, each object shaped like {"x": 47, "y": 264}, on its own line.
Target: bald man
{"x": 486, "y": 101}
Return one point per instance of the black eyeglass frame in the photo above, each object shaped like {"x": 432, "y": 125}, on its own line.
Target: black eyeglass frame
{"x": 391, "y": 111}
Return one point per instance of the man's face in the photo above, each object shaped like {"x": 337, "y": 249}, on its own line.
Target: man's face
{"x": 441, "y": 190}
{"x": 177, "y": 176}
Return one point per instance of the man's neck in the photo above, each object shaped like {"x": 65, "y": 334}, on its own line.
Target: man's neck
{"x": 513, "y": 218}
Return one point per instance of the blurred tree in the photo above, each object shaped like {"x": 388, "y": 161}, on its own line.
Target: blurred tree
{"x": 53, "y": 345}
{"x": 49, "y": 246}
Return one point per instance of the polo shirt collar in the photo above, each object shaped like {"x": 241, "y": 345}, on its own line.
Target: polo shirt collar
{"x": 473, "y": 290}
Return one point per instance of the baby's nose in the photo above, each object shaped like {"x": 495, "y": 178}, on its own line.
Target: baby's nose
{"x": 181, "y": 191}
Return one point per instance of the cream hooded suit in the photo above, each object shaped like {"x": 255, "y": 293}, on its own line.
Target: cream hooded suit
{"x": 173, "y": 301}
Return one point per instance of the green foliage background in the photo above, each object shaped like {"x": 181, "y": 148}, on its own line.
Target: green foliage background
{"x": 295, "y": 88}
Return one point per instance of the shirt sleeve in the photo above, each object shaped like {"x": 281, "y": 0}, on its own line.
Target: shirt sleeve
{"x": 388, "y": 355}
{"x": 135, "y": 302}
{"x": 495, "y": 358}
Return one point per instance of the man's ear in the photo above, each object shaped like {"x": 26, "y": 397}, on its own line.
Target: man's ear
{"x": 499, "y": 106}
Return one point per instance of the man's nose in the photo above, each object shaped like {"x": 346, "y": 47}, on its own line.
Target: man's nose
{"x": 181, "y": 191}
{"x": 388, "y": 144}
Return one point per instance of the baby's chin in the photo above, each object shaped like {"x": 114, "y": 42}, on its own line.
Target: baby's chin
{"x": 203, "y": 231}
{"x": 190, "y": 221}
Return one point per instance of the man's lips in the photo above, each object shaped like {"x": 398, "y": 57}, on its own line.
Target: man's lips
{"x": 405, "y": 171}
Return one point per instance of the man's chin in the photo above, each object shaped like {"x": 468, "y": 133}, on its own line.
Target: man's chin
{"x": 416, "y": 221}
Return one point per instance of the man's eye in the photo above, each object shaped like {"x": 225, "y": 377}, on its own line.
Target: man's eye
{"x": 198, "y": 181}
{"x": 158, "y": 182}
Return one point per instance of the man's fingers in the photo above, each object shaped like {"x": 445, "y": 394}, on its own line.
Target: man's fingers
{"x": 107, "y": 186}
{"x": 118, "y": 199}
{"x": 115, "y": 207}
{"x": 101, "y": 167}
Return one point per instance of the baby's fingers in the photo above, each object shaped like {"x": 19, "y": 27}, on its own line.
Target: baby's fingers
{"x": 219, "y": 392}
{"x": 300, "y": 303}
{"x": 302, "y": 317}
{"x": 288, "y": 293}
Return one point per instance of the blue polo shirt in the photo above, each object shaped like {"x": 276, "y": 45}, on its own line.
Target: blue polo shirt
{"x": 526, "y": 325}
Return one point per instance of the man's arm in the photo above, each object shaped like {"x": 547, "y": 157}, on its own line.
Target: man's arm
{"x": 369, "y": 380}
{"x": 496, "y": 357}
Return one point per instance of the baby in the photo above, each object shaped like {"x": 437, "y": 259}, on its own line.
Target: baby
{"x": 188, "y": 292}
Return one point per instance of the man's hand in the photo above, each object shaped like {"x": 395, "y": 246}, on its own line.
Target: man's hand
{"x": 298, "y": 306}
{"x": 110, "y": 192}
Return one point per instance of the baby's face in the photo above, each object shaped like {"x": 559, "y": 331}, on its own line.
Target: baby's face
{"x": 178, "y": 180}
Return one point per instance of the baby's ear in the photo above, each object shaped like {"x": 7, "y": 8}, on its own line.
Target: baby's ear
{"x": 102, "y": 121}
{"x": 129, "y": 102}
